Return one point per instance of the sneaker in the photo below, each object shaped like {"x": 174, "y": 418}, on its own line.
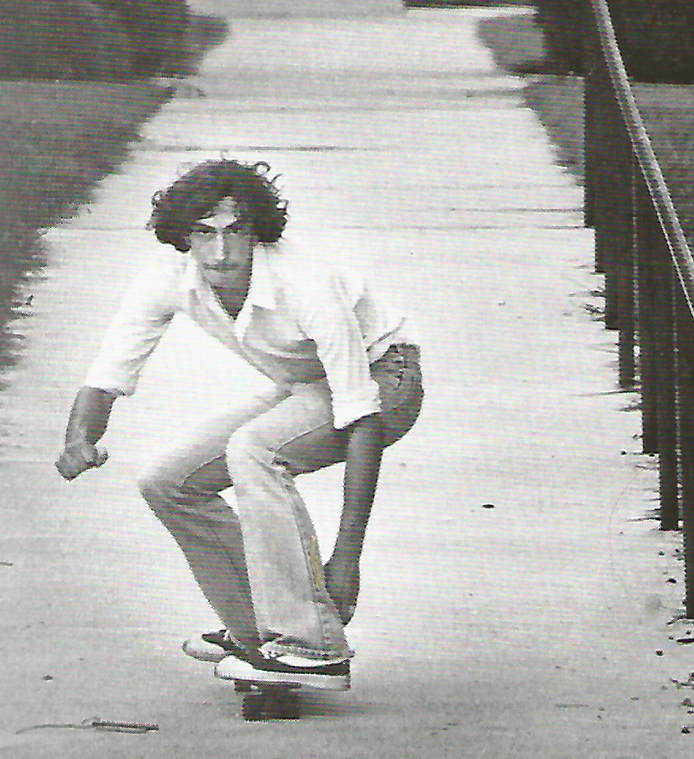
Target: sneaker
{"x": 253, "y": 666}
{"x": 213, "y": 646}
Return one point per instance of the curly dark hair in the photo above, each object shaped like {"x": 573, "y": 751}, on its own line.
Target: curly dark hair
{"x": 198, "y": 191}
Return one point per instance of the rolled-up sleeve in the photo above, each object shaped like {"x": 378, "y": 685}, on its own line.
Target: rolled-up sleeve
{"x": 134, "y": 332}
{"x": 327, "y": 317}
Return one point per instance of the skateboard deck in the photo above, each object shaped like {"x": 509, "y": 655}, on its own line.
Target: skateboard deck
{"x": 263, "y": 700}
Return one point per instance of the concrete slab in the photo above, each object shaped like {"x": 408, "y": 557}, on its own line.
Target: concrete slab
{"x": 510, "y": 607}
{"x": 298, "y": 8}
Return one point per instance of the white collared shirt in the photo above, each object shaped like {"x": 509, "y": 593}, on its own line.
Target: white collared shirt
{"x": 302, "y": 321}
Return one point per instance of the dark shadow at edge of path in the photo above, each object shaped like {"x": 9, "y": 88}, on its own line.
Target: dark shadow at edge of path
{"x": 554, "y": 95}
{"x": 97, "y": 154}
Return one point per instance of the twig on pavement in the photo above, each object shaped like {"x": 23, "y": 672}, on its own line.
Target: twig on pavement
{"x": 96, "y": 723}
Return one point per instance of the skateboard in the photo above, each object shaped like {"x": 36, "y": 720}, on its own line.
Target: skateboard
{"x": 263, "y": 700}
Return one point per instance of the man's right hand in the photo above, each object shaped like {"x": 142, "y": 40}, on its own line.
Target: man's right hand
{"x": 85, "y": 427}
{"x": 77, "y": 457}
{"x": 342, "y": 584}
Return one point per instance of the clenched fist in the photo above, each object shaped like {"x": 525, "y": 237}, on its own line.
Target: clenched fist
{"x": 77, "y": 457}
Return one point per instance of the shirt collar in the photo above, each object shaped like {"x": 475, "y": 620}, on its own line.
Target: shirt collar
{"x": 260, "y": 291}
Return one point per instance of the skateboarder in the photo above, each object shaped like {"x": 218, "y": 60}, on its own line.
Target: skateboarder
{"x": 346, "y": 384}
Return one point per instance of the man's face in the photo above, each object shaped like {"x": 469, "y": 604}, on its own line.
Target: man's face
{"x": 222, "y": 244}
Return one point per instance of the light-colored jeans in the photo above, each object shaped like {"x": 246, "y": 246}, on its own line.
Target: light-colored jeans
{"x": 259, "y": 566}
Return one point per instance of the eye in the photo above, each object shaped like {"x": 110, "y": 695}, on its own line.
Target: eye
{"x": 203, "y": 229}
{"x": 235, "y": 227}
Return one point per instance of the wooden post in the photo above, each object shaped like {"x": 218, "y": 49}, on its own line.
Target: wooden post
{"x": 614, "y": 233}
{"x": 610, "y": 211}
{"x": 646, "y": 238}
{"x": 591, "y": 56}
{"x": 601, "y": 104}
{"x": 607, "y": 194}
{"x": 685, "y": 394}
{"x": 663, "y": 317}
{"x": 589, "y": 150}
{"x": 625, "y": 256}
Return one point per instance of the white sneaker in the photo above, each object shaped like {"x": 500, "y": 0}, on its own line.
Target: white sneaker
{"x": 213, "y": 646}
{"x": 254, "y": 667}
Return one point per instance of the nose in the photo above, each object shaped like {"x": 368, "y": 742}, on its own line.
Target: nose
{"x": 218, "y": 248}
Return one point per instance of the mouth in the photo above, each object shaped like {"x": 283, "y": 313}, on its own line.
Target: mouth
{"x": 221, "y": 267}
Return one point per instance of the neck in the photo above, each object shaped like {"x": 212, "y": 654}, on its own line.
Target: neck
{"x": 233, "y": 290}
{"x": 232, "y": 295}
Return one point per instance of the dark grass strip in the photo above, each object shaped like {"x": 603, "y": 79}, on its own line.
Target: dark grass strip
{"x": 668, "y": 110}
{"x": 57, "y": 140}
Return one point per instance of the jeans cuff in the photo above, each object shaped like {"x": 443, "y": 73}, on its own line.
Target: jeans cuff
{"x": 287, "y": 646}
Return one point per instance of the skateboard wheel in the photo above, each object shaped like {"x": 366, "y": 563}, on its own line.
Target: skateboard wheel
{"x": 263, "y": 706}
{"x": 288, "y": 708}
{"x": 253, "y": 708}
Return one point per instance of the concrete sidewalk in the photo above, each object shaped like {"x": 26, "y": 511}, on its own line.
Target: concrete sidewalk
{"x": 523, "y": 630}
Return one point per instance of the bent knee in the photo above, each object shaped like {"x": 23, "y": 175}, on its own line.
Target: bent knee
{"x": 159, "y": 479}
{"x": 164, "y": 485}
{"x": 245, "y": 446}
{"x": 152, "y": 482}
